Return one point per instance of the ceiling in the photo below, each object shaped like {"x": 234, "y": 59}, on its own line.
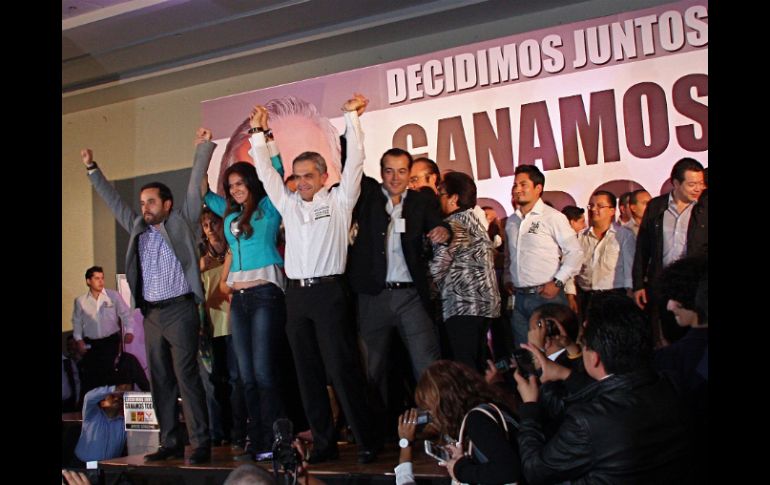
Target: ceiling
{"x": 121, "y": 49}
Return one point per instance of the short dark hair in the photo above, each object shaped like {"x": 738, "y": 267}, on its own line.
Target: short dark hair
{"x": 619, "y": 332}
{"x": 682, "y": 166}
{"x": 625, "y": 198}
{"x": 432, "y": 167}
{"x": 610, "y": 196}
{"x": 535, "y": 175}
{"x": 562, "y": 314}
{"x": 248, "y": 474}
{"x": 163, "y": 191}
{"x": 634, "y": 198}
{"x": 396, "y": 152}
{"x": 315, "y": 157}
{"x": 572, "y": 212}
{"x": 93, "y": 269}
{"x": 462, "y": 185}
{"x": 679, "y": 280}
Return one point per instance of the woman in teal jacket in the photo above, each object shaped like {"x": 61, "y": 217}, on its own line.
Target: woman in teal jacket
{"x": 257, "y": 309}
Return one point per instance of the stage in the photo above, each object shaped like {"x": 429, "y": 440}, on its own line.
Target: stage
{"x": 344, "y": 470}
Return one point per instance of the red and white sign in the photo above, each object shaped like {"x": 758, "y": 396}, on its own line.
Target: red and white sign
{"x": 614, "y": 99}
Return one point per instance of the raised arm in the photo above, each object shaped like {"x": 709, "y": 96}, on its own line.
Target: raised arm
{"x": 265, "y": 156}
{"x": 194, "y": 199}
{"x": 350, "y": 183}
{"x": 122, "y": 212}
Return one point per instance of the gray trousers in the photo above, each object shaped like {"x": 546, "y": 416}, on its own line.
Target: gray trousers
{"x": 399, "y": 309}
{"x": 171, "y": 339}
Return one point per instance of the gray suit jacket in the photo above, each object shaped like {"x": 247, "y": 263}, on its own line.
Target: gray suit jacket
{"x": 181, "y": 230}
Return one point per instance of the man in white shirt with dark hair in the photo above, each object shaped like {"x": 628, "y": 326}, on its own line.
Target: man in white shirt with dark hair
{"x": 542, "y": 252}
{"x": 96, "y": 319}
{"x": 318, "y": 324}
{"x": 608, "y": 252}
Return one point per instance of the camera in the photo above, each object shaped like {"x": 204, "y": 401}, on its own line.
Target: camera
{"x": 285, "y": 456}
{"x": 525, "y": 362}
{"x": 503, "y": 365}
{"x": 438, "y": 452}
{"x": 423, "y": 417}
{"x": 551, "y": 330}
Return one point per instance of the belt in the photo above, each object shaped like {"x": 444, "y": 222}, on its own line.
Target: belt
{"x": 621, "y": 291}
{"x": 397, "y": 285}
{"x": 253, "y": 288}
{"x": 318, "y": 280}
{"x": 169, "y": 301}
{"x": 110, "y": 336}
{"x": 528, "y": 290}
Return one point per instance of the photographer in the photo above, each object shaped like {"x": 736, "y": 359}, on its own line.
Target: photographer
{"x": 553, "y": 328}
{"x": 626, "y": 427}
{"x": 407, "y": 430}
{"x": 477, "y": 419}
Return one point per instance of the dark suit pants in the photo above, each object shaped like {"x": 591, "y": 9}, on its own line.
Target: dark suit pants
{"x": 401, "y": 310}
{"x": 98, "y": 364}
{"x": 171, "y": 339}
{"x": 322, "y": 339}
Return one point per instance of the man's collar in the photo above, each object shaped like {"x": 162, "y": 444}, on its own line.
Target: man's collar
{"x": 536, "y": 209}
{"x": 387, "y": 194}
{"x": 672, "y": 200}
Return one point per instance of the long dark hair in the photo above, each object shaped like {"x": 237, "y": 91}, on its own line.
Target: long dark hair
{"x": 256, "y": 193}
{"x": 450, "y": 389}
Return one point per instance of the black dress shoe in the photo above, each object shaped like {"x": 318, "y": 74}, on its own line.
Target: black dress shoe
{"x": 200, "y": 455}
{"x": 366, "y": 456}
{"x": 320, "y": 456}
{"x": 164, "y": 454}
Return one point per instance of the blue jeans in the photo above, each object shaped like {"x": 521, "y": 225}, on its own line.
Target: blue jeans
{"x": 237, "y": 397}
{"x": 523, "y": 307}
{"x": 257, "y": 320}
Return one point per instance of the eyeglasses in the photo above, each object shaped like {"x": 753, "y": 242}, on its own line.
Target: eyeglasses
{"x": 416, "y": 178}
{"x": 597, "y": 207}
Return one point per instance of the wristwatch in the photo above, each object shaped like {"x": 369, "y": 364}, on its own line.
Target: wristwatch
{"x": 559, "y": 283}
{"x": 405, "y": 443}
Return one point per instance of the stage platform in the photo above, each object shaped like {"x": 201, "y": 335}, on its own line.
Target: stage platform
{"x": 344, "y": 470}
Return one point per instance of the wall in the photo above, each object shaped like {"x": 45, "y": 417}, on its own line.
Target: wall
{"x": 154, "y": 134}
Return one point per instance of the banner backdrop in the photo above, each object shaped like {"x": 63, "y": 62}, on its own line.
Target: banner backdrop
{"x": 610, "y": 102}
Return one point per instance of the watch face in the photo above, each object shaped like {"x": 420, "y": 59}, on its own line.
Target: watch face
{"x": 403, "y": 443}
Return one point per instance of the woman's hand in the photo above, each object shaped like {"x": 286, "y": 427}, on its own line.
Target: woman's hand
{"x": 455, "y": 452}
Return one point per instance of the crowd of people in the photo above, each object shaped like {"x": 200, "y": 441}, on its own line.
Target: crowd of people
{"x": 305, "y": 286}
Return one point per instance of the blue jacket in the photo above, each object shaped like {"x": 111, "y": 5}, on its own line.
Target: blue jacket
{"x": 258, "y": 250}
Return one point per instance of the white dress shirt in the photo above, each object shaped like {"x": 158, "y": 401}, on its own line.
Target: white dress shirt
{"x": 398, "y": 272}
{"x": 97, "y": 318}
{"x": 316, "y": 231}
{"x": 541, "y": 246}
{"x": 632, "y": 225}
{"x": 675, "y": 225}
{"x": 607, "y": 263}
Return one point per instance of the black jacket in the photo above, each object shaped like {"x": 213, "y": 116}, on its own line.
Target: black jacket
{"x": 648, "y": 259}
{"x": 367, "y": 264}
{"x": 628, "y": 428}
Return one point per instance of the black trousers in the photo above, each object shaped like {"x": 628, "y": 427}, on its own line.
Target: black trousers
{"x": 171, "y": 340}
{"x": 467, "y": 336}
{"x": 321, "y": 333}
{"x": 98, "y": 364}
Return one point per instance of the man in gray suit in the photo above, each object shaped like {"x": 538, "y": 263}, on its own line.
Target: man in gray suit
{"x": 162, "y": 271}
